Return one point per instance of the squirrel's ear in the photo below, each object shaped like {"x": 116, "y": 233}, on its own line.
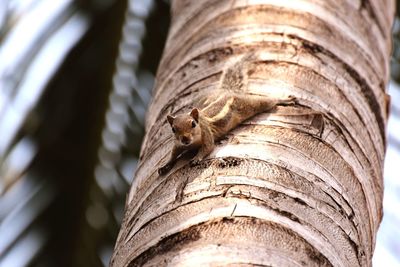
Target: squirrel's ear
{"x": 195, "y": 114}
{"x": 170, "y": 119}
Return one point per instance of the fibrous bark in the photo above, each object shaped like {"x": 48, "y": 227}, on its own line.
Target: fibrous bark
{"x": 301, "y": 185}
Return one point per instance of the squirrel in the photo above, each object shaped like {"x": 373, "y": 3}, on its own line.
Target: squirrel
{"x": 218, "y": 113}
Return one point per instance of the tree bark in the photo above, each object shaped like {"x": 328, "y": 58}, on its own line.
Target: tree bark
{"x": 301, "y": 185}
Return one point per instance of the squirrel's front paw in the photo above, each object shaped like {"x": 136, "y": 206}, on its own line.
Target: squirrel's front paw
{"x": 194, "y": 162}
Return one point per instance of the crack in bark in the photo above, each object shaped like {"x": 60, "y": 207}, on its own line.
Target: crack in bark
{"x": 237, "y": 196}
{"x": 196, "y": 232}
{"x": 307, "y": 156}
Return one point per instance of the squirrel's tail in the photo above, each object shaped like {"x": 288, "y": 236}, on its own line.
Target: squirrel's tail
{"x": 235, "y": 77}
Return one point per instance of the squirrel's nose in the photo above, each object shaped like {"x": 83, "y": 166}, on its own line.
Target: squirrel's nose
{"x": 185, "y": 140}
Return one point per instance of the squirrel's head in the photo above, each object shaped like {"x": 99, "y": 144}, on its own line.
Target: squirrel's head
{"x": 186, "y": 127}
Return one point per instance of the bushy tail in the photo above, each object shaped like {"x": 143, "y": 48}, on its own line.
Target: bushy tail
{"x": 235, "y": 77}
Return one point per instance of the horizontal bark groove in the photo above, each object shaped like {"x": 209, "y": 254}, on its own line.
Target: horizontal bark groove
{"x": 366, "y": 89}
{"x": 304, "y": 188}
{"x": 214, "y": 193}
{"x": 228, "y": 230}
{"x": 273, "y": 15}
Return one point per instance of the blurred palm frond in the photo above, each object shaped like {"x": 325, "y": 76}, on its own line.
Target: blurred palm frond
{"x": 65, "y": 155}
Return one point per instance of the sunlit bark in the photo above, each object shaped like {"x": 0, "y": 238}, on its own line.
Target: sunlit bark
{"x": 301, "y": 185}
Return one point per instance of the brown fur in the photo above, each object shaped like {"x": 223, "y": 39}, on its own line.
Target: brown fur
{"x": 219, "y": 113}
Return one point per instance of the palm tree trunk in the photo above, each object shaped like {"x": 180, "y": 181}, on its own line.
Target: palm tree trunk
{"x": 301, "y": 185}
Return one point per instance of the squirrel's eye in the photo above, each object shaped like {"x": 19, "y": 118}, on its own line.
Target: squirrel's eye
{"x": 193, "y": 124}
{"x": 173, "y": 129}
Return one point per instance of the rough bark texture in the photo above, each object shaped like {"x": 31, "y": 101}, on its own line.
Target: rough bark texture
{"x": 301, "y": 185}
